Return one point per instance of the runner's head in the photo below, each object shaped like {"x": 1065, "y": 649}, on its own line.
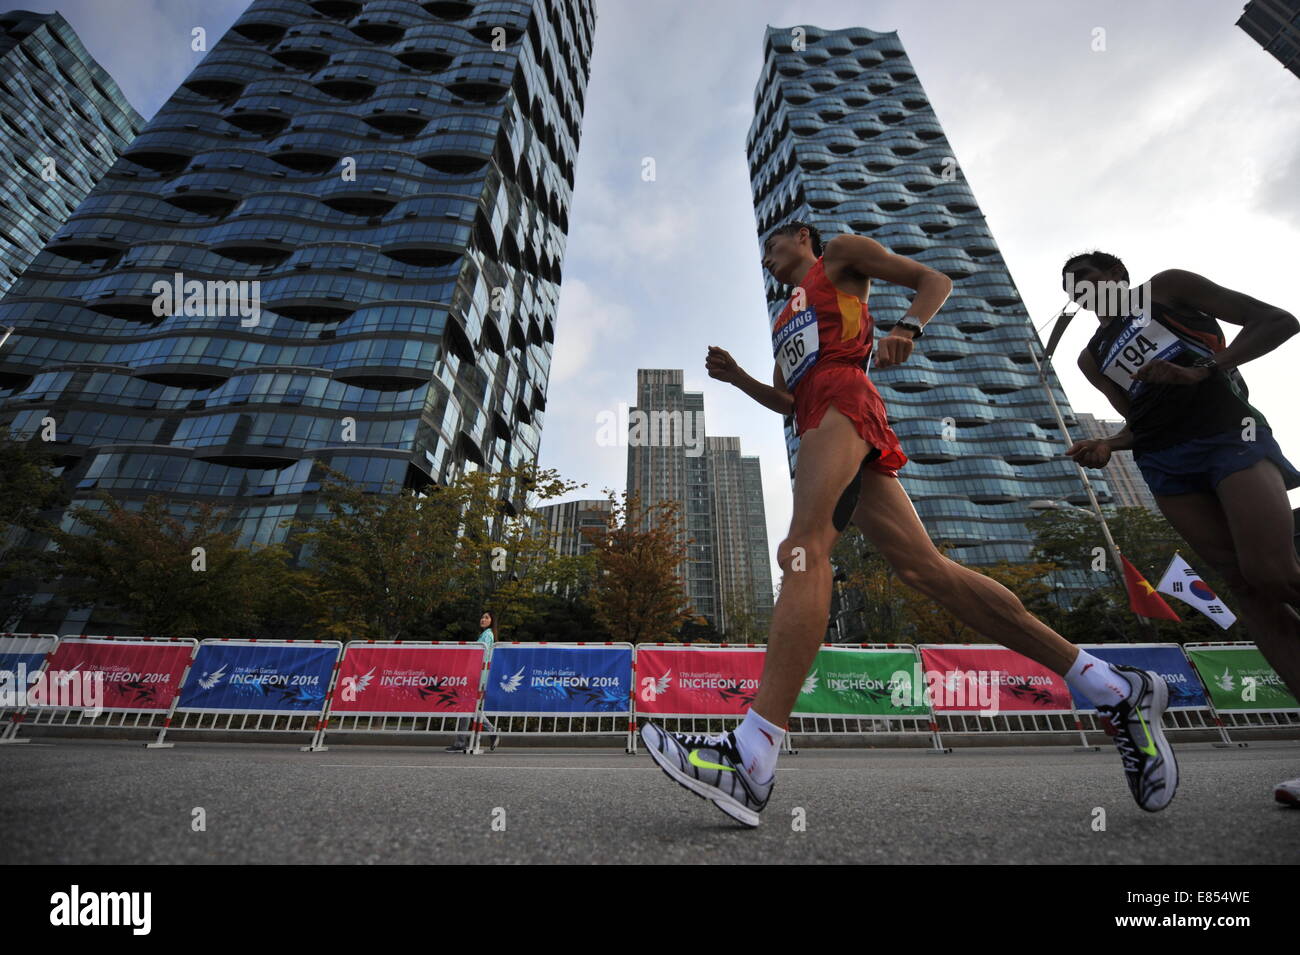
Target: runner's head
{"x": 1087, "y": 277}
{"x": 788, "y": 246}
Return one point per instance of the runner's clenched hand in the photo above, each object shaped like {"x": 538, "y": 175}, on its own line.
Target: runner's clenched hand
{"x": 722, "y": 366}
{"x": 1091, "y": 452}
{"x": 893, "y": 349}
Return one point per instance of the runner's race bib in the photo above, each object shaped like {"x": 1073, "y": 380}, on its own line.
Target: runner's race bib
{"x": 795, "y": 345}
{"x": 1136, "y": 347}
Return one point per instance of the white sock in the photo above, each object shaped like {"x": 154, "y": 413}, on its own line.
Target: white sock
{"x": 759, "y": 742}
{"x": 1093, "y": 677}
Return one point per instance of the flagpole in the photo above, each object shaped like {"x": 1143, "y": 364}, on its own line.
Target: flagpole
{"x": 1083, "y": 474}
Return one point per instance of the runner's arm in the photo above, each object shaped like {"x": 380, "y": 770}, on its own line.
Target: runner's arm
{"x": 871, "y": 260}
{"x": 1123, "y": 439}
{"x": 1264, "y": 326}
{"x": 772, "y": 396}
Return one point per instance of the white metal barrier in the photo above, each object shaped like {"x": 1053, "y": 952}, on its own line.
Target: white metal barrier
{"x": 1243, "y": 719}
{"x": 614, "y": 722}
{"x": 115, "y": 717}
{"x": 17, "y": 679}
{"x": 412, "y": 722}
{"x": 851, "y": 724}
{"x": 252, "y": 719}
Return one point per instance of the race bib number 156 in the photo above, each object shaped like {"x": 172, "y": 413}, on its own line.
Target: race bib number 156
{"x": 795, "y": 346}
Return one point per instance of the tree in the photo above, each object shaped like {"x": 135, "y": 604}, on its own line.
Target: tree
{"x": 1074, "y": 540}
{"x": 638, "y": 595}
{"x": 405, "y": 565}
{"x": 168, "y": 575}
{"x": 29, "y": 489}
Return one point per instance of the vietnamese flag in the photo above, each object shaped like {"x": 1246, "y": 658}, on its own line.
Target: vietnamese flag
{"x": 1142, "y": 597}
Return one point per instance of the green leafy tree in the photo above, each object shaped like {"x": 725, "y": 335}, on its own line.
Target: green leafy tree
{"x": 165, "y": 575}
{"x": 29, "y": 489}
{"x": 638, "y": 595}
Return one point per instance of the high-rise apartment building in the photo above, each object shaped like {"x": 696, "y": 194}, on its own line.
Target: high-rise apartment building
{"x": 1275, "y": 25}
{"x": 338, "y": 243}
{"x": 576, "y": 525}
{"x": 65, "y": 121}
{"x": 719, "y": 495}
{"x": 844, "y": 137}
{"x": 744, "y": 562}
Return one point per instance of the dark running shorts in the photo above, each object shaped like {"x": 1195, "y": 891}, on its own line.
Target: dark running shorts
{"x": 1201, "y": 463}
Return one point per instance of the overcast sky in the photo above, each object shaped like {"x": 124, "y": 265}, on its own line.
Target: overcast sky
{"x": 1175, "y": 147}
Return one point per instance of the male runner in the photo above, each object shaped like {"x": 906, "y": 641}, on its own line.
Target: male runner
{"x": 822, "y": 339}
{"x": 1207, "y": 454}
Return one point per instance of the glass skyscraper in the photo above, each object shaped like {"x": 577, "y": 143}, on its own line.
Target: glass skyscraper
{"x": 726, "y": 573}
{"x": 64, "y": 123}
{"x": 339, "y": 242}
{"x": 845, "y": 138}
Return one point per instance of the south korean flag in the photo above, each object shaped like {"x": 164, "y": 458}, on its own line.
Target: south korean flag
{"x": 1184, "y": 583}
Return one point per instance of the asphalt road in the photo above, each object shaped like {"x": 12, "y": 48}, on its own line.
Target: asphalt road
{"x": 76, "y": 801}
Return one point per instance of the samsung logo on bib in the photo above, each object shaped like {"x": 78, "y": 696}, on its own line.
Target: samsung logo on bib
{"x": 102, "y": 908}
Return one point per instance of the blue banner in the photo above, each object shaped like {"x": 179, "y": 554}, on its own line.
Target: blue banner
{"x": 15, "y": 683}
{"x": 1185, "y": 687}
{"x": 554, "y": 679}
{"x": 257, "y": 677}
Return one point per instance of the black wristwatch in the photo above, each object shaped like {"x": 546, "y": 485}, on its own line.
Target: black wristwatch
{"x": 1206, "y": 361}
{"x": 909, "y": 324}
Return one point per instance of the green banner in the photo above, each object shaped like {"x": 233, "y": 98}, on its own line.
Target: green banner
{"x": 1239, "y": 678}
{"x": 845, "y": 682}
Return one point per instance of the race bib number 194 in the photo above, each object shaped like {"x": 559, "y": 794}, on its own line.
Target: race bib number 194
{"x": 795, "y": 346}
{"x": 1137, "y": 346}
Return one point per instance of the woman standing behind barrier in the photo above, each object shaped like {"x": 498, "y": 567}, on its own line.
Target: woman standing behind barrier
{"x": 487, "y": 621}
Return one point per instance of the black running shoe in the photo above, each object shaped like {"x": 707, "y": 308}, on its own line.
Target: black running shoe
{"x": 1134, "y": 725}
{"x": 710, "y": 767}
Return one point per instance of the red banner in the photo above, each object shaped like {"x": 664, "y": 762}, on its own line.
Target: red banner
{"x": 697, "y": 682}
{"x": 408, "y": 680}
{"x": 133, "y": 675}
{"x": 990, "y": 678}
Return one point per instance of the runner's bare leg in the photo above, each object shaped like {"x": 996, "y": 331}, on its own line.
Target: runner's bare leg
{"x": 888, "y": 520}
{"x": 829, "y": 455}
{"x": 1244, "y": 531}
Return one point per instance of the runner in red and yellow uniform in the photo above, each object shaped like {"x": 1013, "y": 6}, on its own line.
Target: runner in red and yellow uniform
{"x": 847, "y": 465}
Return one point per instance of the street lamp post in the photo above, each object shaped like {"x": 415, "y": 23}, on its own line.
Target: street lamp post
{"x": 1096, "y": 511}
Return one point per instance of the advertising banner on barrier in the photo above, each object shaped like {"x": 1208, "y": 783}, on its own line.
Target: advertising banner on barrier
{"x": 990, "y": 679}
{"x": 553, "y": 678}
{"x": 259, "y": 677}
{"x": 686, "y": 682}
{"x": 22, "y": 656}
{"x": 1185, "y": 688}
{"x": 139, "y": 675}
{"x": 859, "y": 682}
{"x": 398, "y": 680}
{"x": 1239, "y": 678}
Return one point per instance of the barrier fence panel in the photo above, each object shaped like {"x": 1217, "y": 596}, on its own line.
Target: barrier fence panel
{"x": 1189, "y": 708}
{"x": 266, "y": 686}
{"x": 1243, "y": 687}
{"x": 405, "y": 687}
{"x": 985, "y": 688}
{"x": 863, "y": 689}
{"x": 106, "y": 682}
{"x": 559, "y": 689}
{"x": 22, "y": 663}
{"x": 698, "y": 687}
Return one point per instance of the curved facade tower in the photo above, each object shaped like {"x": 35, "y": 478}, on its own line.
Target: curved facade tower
{"x": 339, "y": 242}
{"x": 65, "y": 121}
{"x": 845, "y": 138}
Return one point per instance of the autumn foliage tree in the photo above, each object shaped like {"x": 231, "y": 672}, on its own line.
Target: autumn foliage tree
{"x": 638, "y": 594}
{"x": 165, "y": 574}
